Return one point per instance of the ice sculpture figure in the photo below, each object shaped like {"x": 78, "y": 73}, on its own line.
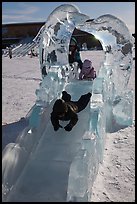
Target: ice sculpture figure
{"x": 107, "y": 109}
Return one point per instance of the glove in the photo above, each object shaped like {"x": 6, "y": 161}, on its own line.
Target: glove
{"x": 68, "y": 128}
{"x": 57, "y": 127}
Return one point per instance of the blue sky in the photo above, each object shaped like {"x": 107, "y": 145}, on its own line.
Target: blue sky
{"x": 18, "y": 12}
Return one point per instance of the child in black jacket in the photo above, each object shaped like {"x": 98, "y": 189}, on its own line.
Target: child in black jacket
{"x": 65, "y": 109}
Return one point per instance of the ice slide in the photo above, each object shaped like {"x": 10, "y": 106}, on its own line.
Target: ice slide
{"x": 45, "y": 165}
{"x": 45, "y": 174}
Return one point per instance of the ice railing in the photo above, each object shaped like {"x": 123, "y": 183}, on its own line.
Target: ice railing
{"x": 110, "y": 106}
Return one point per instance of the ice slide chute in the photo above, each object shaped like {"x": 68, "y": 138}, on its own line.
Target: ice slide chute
{"x": 40, "y": 163}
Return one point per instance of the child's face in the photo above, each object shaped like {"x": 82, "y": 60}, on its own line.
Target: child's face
{"x": 87, "y": 70}
{"x": 72, "y": 47}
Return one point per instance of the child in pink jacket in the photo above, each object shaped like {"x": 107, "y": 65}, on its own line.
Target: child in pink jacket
{"x": 87, "y": 72}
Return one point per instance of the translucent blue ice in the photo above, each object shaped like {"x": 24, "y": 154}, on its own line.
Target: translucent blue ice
{"x": 38, "y": 150}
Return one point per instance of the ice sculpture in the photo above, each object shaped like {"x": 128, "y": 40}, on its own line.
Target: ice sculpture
{"x": 116, "y": 41}
{"x": 110, "y": 106}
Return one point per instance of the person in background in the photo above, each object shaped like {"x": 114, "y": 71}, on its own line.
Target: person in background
{"x": 87, "y": 72}
{"x": 10, "y": 52}
{"x": 32, "y": 54}
{"x": 74, "y": 55}
{"x": 66, "y": 110}
{"x": 44, "y": 72}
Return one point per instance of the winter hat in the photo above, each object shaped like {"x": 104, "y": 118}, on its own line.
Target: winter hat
{"x": 87, "y": 64}
{"x": 60, "y": 107}
{"x": 65, "y": 96}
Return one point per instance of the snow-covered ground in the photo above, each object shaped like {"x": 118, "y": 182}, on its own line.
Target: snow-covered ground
{"x": 20, "y": 78}
{"x": 116, "y": 177}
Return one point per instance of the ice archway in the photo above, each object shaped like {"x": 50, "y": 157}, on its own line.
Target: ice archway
{"x": 113, "y": 34}
{"x": 114, "y": 73}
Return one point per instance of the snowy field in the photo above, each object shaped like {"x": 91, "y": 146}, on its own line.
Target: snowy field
{"x": 116, "y": 177}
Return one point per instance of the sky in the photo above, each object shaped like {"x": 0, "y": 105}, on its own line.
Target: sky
{"x": 20, "y": 12}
